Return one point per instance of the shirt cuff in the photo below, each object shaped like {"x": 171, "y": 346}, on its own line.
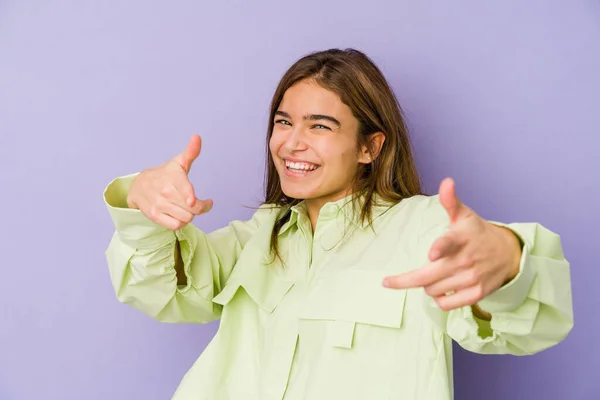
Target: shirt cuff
{"x": 514, "y": 293}
{"x": 133, "y": 227}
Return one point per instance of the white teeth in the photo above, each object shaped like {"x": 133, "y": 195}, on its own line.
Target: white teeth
{"x": 300, "y": 166}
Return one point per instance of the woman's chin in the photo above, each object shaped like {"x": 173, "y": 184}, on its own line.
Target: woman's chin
{"x": 297, "y": 193}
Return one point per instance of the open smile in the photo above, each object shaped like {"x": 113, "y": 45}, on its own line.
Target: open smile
{"x": 299, "y": 168}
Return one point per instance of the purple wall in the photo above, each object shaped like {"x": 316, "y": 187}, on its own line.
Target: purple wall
{"x": 502, "y": 96}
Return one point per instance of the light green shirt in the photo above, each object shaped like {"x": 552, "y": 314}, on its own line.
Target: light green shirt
{"x": 322, "y": 326}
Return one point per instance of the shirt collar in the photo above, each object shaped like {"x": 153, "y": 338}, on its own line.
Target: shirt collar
{"x": 334, "y": 209}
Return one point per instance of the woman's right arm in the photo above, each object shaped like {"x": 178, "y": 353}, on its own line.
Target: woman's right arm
{"x": 159, "y": 262}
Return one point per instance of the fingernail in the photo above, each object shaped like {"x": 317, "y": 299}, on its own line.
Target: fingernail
{"x": 386, "y": 282}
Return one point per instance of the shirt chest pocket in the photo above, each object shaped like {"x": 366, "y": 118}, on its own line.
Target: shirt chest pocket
{"x": 353, "y": 306}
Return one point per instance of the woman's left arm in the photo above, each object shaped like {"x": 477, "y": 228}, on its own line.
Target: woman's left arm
{"x": 503, "y": 288}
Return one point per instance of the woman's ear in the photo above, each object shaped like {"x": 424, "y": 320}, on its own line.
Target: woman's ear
{"x": 371, "y": 151}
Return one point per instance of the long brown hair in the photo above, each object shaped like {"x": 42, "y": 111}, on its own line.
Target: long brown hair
{"x": 361, "y": 86}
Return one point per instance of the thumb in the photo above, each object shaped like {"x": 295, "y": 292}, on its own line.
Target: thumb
{"x": 191, "y": 152}
{"x": 454, "y": 207}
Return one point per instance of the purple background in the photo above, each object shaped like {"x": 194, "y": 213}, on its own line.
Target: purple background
{"x": 503, "y": 96}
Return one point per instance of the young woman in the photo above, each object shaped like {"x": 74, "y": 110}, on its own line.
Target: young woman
{"x": 348, "y": 282}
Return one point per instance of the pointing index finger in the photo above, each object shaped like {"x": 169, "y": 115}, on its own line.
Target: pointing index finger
{"x": 421, "y": 277}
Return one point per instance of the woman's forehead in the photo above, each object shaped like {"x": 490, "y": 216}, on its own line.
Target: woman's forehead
{"x": 308, "y": 98}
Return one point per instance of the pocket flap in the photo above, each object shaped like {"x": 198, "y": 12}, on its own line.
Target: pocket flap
{"x": 266, "y": 290}
{"x": 355, "y": 296}
{"x": 225, "y": 296}
{"x": 341, "y": 333}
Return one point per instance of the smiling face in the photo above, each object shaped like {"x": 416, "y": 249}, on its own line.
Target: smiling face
{"x": 326, "y": 108}
{"x": 314, "y": 145}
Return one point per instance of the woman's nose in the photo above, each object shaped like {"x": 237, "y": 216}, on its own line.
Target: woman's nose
{"x": 296, "y": 141}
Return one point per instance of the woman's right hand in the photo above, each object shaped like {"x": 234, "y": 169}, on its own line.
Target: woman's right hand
{"x": 165, "y": 195}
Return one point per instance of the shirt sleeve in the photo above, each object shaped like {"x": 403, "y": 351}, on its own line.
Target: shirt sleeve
{"x": 141, "y": 260}
{"x": 531, "y": 313}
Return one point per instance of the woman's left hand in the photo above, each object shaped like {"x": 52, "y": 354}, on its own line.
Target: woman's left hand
{"x": 471, "y": 260}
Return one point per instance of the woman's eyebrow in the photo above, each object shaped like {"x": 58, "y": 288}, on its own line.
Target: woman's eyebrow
{"x": 312, "y": 117}
{"x": 316, "y": 117}
{"x": 283, "y": 114}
